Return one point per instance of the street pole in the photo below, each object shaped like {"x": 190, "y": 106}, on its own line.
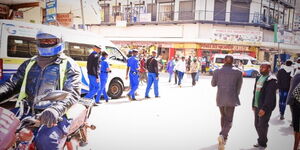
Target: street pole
{"x": 82, "y": 15}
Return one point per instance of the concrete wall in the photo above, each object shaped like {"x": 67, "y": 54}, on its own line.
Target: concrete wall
{"x": 33, "y": 15}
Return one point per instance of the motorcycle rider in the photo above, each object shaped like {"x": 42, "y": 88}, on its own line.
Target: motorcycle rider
{"x": 50, "y": 70}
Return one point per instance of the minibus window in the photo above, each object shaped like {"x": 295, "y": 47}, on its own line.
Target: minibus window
{"x": 114, "y": 54}
{"x": 254, "y": 62}
{"x": 219, "y": 60}
{"x": 21, "y": 47}
{"x": 78, "y": 51}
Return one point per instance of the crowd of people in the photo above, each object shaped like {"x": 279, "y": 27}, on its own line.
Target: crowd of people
{"x": 229, "y": 81}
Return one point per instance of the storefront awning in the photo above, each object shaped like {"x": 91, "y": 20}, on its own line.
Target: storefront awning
{"x": 285, "y": 47}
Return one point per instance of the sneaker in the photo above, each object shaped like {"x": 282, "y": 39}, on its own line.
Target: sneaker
{"x": 281, "y": 117}
{"x": 221, "y": 141}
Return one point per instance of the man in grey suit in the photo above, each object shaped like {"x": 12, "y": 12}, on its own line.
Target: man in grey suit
{"x": 229, "y": 80}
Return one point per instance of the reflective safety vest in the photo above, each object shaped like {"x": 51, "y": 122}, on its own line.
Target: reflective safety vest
{"x": 62, "y": 72}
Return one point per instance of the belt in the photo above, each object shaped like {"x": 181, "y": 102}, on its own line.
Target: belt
{"x": 104, "y": 72}
{"x": 134, "y": 72}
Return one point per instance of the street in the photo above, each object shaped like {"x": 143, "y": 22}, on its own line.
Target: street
{"x": 184, "y": 118}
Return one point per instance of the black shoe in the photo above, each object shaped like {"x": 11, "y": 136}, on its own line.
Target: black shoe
{"x": 281, "y": 117}
{"x": 133, "y": 99}
{"x": 259, "y": 146}
{"x": 97, "y": 103}
{"x": 129, "y": 97}
{"x": 147, "y": 97}
{"x": 157, "y": 96}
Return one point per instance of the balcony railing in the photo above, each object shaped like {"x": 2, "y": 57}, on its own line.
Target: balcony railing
{"x": 194, "y": 16}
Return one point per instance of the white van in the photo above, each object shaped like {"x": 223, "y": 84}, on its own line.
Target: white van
{"x": 17, "y": 43}
{"x": 247, "y": 64}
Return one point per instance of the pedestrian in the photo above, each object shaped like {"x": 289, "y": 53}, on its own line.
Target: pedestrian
{"x": 175, "y": 69}
{"x": 194, "y": 70}
{"x": 284, "y": 79}
{"x": 132, "y": 69}
{"x": 229, "y": 80}
{"x": 142, "y": 71}
{"x": 263, "y": 103}
{"x": 181, "y": 67}
{"x": 199, "y": 69}
{"x": 188, "y": 64}
{"x": 203, "y": 65}
{"x": 129, "y": 54}
{"x": 296, "y": 67}
{"x": 49, "y": 71}
{"x": 170, "y": 68}
{"x": 103, "y": 78}
{"x": 152, "y": 67}
{"x": 294, "y": 101}
{"x": 93, "y": 70}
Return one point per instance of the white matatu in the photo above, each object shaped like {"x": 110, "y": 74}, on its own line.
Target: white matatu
{"x": 17, "y": 43}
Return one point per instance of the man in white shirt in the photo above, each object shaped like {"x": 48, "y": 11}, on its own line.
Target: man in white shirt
{"x": 181, "y": 67}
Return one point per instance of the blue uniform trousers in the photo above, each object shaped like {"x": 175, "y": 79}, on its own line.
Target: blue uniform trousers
{"x": 102, "y": 89}
{"x": 94, "y": 87}
{"x": 282, "y": 101}
{"x": 134, "y": 83}
{"x": 152, "y": 79}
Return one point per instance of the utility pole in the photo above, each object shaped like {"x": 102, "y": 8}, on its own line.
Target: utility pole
{"x": 82, "y": 15}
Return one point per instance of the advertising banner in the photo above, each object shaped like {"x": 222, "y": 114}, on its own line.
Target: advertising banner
{"x": 51, "y": 10}
{"x": 234, "y": 36}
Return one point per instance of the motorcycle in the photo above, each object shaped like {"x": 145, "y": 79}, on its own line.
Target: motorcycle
{"x": 19, "y": 134}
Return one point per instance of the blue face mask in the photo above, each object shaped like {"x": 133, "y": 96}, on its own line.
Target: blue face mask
{"x": 47, "y": 49}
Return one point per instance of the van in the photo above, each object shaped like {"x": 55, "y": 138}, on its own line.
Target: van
{"x": 247, "y": 64}
{"x": 17, "y": 43}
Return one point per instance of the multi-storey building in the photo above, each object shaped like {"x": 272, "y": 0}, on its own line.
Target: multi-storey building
{"x": 199, "y": 27}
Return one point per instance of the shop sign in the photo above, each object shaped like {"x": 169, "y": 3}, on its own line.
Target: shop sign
{"x": 4, "y": 9}
{"x": 187, "y": 45}
{"x": 233, "y": 36}
{"x": 65, "y": 19}
{"x": 224, "y": 47}
{"x": 167, "y": 45}
{"x": 288, "y": 38}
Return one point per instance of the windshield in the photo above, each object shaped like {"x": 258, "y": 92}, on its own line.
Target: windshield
{"x": 254, "y": 62}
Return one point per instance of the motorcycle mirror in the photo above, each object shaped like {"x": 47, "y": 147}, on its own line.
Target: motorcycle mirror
{"x": 55, "y": 95}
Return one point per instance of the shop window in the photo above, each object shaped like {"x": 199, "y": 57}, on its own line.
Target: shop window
{"x": 21, "y": 47}
{"x": 151, "y": 8}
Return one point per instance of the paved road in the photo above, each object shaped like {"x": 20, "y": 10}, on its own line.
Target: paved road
{"x": 182, "y": 119}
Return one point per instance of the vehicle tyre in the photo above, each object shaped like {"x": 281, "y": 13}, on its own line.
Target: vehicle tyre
{"x": 254, "y": 74}
{"x": 115, "y": 89}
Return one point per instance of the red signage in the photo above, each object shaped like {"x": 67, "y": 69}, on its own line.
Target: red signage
{"x": 224, "y": 47}
{"x": 65, "y": 19}
{"x": 4, "y": 9}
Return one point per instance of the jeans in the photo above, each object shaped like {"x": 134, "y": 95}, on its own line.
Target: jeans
{"x": 180, "y": 77}
{"x": 170, "y": 76}
{"x": 197, "y": 75}
{"x": 152, "y": 79}
{"x": 282, "y": 101}
{"x": 194, "y": 78}
{"x": 176, "y": 76}
{"x": 94, "y": 87}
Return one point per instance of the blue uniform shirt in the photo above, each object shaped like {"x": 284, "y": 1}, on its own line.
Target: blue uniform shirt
{"x": 133, "y": 63}
{"x": 103, "y": 66}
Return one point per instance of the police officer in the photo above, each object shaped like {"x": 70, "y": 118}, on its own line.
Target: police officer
{"x": 132, "y": 69}
{"x": 93, "y": 72}
{"x": 103, "y": 78}
{"x": 152, "y": 67}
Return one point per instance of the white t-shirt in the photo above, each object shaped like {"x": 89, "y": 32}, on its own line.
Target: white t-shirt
{"x": 180, "y": 66}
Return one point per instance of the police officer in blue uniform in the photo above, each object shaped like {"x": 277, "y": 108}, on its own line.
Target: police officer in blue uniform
{"x": 132, "y": 69}
{"x": 104, "y": 70}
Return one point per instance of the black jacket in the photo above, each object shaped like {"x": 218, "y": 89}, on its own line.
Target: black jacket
{"x": 295, "y": 81}
{"x": 267, "y": 100}
{"x": 42, "y": 81}
{"x": 284, "y": 79}
{"x": 93, "y": 62}
{"x": 152, "y": 66}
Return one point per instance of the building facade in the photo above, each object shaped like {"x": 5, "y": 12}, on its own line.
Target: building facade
{"x": 199, "y": 27}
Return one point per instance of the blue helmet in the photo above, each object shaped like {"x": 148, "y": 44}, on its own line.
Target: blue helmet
{"x": 49, "y": 44}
